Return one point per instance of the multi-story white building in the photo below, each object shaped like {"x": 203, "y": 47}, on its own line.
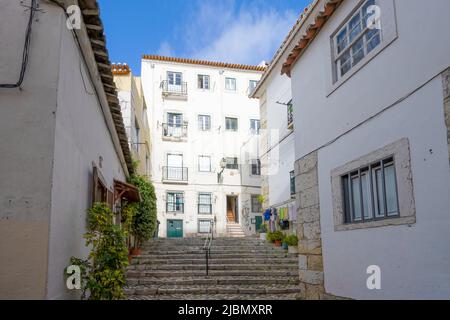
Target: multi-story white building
{"x": 205, "y": 161}
{"x": 371, "y": 92}
{"x": 135, "y": 116}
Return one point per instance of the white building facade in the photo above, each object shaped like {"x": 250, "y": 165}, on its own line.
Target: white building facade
{"x": 205, "y": 140}
{"x": 370, "y": 86}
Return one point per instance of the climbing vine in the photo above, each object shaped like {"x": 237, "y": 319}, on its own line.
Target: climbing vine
{"x": 144, "y": 222}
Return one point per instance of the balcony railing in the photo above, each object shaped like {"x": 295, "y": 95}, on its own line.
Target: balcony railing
{"x": 175, "y": 131}
{"x": 175, "y": 174}
{"x": 174, "y": 90}
{"x": 290, "y": 115}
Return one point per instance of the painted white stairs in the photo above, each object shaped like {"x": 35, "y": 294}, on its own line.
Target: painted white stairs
{"x": 234, "y": 230}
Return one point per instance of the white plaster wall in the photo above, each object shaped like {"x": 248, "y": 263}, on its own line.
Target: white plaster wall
{"x": 81, "y": 138}
{"x": 414, "y": 260}
{"x": 27, "y": 125}
{"x": 217, "y": 143}
{"x": 280, "y": 138}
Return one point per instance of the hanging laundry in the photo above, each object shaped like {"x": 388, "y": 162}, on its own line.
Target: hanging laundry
{"x": 267, "y": 215}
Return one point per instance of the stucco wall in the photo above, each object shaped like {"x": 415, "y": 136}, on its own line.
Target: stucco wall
{"x": 414, "y": 260}
{"x": 27, "y": 125}
{"x": 81, "y": 139}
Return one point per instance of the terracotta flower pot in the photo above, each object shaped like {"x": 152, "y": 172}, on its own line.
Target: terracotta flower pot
{"x": 278, "y": 243}
{"x": 135, "y": 252}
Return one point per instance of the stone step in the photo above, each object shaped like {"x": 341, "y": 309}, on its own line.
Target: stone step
{"x": 241, "y": 267}
{"x": 219, "y": 297}
{"x": 214, "y": 247}
{"x": 212, "y": 273}
{"x": 148, "y": 290}
{"x": 213, "y": 251}
{"x": 212, "y": 261}
{"x": 244, "y": 255}
{"x": 213, "y": 281}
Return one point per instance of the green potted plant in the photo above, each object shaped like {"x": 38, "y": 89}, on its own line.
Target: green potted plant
{"x": 292, "y": 242}
{"x": 284, "y": 244}
{"x": 263, "y": 232}
{"x": 277, "y": 237}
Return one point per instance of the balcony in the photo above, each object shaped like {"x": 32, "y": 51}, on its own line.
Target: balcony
{"x": 178, "y": 175}
{"x": 174, "y": 132}
{"x": 174, "y": 91}
{"x": 290, "y": 115}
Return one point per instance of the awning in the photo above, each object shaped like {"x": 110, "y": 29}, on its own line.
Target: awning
{"x": 123, "y": 190}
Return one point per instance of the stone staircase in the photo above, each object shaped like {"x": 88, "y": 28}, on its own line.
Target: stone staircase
{"x": 240, "y": 269}
{"x": 234, "y": 230}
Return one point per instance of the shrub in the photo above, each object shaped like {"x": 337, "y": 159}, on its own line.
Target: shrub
{"x": 291, "y": 240}
{"x": 274, "y": 236}
{"x": 144, "y": 220}
{"x": 103, "y": 273}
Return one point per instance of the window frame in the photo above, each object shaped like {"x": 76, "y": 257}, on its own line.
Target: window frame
{"x": 292, "y": 183}
{"x": 234, "y": 81}
{"x": 226, "y": 124}
{"x": 182, "y": 204}
{"x": 254, "y": 197}
{"x": 199, "y": 204}
{"x": 250, "y": 87}
{"x": 253, "y": 130}
{"x": 174, "y": 78}
{"x": 203, "y": 116}
{"x": 373, "y": 196}
{"x": 205, "y": 220}
{"x": 201, "y": 82}
{"x": 255, "y": 164}
{"x": 234, "y": 165}
{"x": 210, "y": 164}
{"x": 388, "y": 34}
{"x": 400, "y": 151}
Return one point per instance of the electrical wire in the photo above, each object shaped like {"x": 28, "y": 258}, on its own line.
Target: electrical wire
{"x": 26, "y": 49}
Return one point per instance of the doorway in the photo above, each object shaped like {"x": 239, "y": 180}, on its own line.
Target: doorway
{"x": 174, "y": 228}
{"x": 232, "y": 209}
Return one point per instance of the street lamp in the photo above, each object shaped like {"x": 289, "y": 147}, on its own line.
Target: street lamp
{"x": 223, "y": 165}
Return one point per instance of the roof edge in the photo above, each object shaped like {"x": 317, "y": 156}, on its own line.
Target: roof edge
{"x": 204, "y": 63}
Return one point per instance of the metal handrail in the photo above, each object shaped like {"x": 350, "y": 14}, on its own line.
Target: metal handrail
{"x": 207, "y": 247}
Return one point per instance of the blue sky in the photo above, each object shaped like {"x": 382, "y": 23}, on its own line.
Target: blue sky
{"x": 238, "y": 31}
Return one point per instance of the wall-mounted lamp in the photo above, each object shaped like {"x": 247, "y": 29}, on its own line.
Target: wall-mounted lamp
{"x": 223, "y": 165}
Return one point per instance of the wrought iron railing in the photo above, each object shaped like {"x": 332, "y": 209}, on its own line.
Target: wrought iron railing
{"x": 207, "y": 247}
{"x": 174, "y": 89}
{"x": 178, "y": 131}
{"x": 290, "y": 114}
{"x": 175, "y": 174}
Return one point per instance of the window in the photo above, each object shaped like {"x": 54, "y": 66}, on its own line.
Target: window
{"x": 371, "y": 192}
{"x": 231, "y": 124}
{"x": 174, "y": 78}
{"x": 230, "y": 84}
{"x": 204, "y": 164}
{"x": 174, "y": 127}
{"x": 204, "y": 123}
{"x": 204, "y": 203}
{"x": 256, "y": 205}
{"x": 175, "y": 202}
{"x": 232, "y": 163}
{"x": 360, "y": 35}
{"x": 204, "y": 226}
{"x": 203, "y": 82}
{"x": 256, "y": 167}
{"x": 292, "y": 174}
{"x": 255, "y": 125}
{"x": 252, "y": 86}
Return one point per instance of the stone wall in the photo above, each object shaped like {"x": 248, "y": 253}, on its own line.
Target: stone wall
{"x": 446, "y": 86}
{"x": 308, "y": 228}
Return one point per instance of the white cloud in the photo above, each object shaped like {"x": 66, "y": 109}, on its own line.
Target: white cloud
{"x": 224, "y": 31}
{"x": 165, "y": 49}
{"x": 250, "y": 38}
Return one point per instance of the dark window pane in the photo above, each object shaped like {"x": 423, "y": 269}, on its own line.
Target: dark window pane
{"x": 391, "y": 190}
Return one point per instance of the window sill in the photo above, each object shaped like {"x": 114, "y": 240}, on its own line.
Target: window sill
{"x": 396, "y": 221}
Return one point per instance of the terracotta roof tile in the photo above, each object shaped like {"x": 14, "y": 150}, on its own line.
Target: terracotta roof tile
{"x": 204, "y": 63}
